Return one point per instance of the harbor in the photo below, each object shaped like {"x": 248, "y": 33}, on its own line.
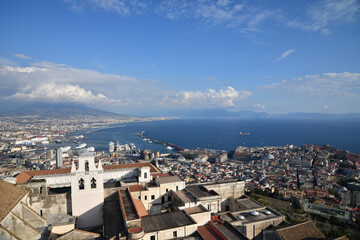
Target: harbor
{"x": 167, "y": 145}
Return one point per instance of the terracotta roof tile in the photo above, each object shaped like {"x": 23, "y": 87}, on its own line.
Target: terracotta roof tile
{"x": 141, "y": 211}
{"x": 136, "y": 188}
{"x": 208, "y": 233}
{"x": 10, "y": 195}
{"x": 132, "y": 165}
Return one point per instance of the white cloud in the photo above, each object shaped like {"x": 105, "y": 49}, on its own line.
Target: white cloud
{"x": 47, "y": 81}
{"x": 325, "y": 14}
{"x": 21, "y": 69}
{"x": 322, "y": 85}
{"x": 225, "y": 97}
{"x": 22, "y": 56}
{"x": 259, "y": 106}
{"x": 285, "y": 54}
{"x": 121, "y": 7}
{"x": 59, "y": 93}
{"x": 232, "y": 14}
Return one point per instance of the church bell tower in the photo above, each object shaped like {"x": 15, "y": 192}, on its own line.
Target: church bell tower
{"x": 87, "y": 191}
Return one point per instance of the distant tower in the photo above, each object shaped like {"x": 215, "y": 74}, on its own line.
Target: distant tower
{"x": 87, "y": 191}
{"x": 111, "y": 147}
{"x": 59, "y": 160}
{"x": 50, "y": 154}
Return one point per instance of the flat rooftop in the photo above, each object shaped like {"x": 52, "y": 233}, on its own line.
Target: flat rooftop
{"x": 195, "y": 210}
{"x": 246, "y": 204}
{"x": 169, "y": 179}
{"x": 199, "y": 191}
{"x": 185, "y": 197}
{"x": 249, "y": 217}
{"x": 168, "y": 220}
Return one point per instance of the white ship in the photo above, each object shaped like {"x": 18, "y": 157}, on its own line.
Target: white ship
{"x": 169, "y": 148}
{"x": 65, "y": 149}
{"x": 80, "y": 146}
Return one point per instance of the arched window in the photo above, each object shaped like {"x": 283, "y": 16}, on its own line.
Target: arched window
{"x": 93, "y": 183}
{"x": 145, "y": 175}
{"x": 41, "y": 189}
{"x": 81, "y": 184}
{"x": 86, "y": 165}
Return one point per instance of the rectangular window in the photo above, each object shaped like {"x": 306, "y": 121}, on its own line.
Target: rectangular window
{"x": 169, "y": 198}
{"x": 167, "y": 190}
{"x": 209, "y": 207}
{"x": 177, "y": 188}
{"x": 139, "y": 198}
{"x": 152, "y": 238}
{"x": 145, "y": 197}
{"x": 152, "y": 197}
{"x": 174, "y": 233}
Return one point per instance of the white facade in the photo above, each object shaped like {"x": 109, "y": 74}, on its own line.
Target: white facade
{"x": 59, "y": 158}
{"x": 87, "y": 191}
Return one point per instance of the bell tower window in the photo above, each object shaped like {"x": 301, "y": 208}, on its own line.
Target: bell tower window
{"x": 93, "y": 183}
{"x": 81, "y": 184}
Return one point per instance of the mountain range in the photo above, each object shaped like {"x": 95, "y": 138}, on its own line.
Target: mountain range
{"x": 71, "y": 109}
{"x": 57, "y": 110}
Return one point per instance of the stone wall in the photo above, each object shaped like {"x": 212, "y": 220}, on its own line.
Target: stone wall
{"x": 51, "y": 204}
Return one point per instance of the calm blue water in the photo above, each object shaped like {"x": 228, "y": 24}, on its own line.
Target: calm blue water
{"x": 223, "y": 134}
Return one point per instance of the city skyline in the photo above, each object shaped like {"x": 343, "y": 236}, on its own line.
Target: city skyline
{"x": 143, "y": 57}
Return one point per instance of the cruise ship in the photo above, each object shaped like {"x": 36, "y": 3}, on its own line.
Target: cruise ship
{"x": 80, "y": 146}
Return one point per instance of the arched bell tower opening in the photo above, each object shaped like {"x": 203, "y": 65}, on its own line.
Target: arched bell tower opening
{"x": 87, "y": 191}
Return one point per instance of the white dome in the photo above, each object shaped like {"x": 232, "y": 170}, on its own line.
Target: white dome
{"x": 254, "y": 213}
{"x": 267, "y": 212}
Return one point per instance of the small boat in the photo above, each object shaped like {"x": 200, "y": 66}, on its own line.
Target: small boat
{"x": 245, "y": 134}
{"x": 169, "y": 148}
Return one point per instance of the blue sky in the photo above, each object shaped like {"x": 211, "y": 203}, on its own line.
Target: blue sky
{"x": 144, "y": 57}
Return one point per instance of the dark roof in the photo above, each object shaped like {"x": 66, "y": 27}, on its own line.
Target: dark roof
{"x": 10, "y": 195}
{"x": 168, "y": 220}
{"x": 230, "y": 232}
{"x": 199, "y": 191}
{"x": 305, "y": 230}
{"x": 128, "y": 205}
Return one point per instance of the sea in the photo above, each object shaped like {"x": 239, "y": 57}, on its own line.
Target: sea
{"x": 223, "y": 134}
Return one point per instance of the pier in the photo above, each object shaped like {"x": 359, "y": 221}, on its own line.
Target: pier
{"x": 165, "y": 144}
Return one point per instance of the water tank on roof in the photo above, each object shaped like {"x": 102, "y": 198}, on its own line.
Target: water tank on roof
{"x": 241, "y": 217}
